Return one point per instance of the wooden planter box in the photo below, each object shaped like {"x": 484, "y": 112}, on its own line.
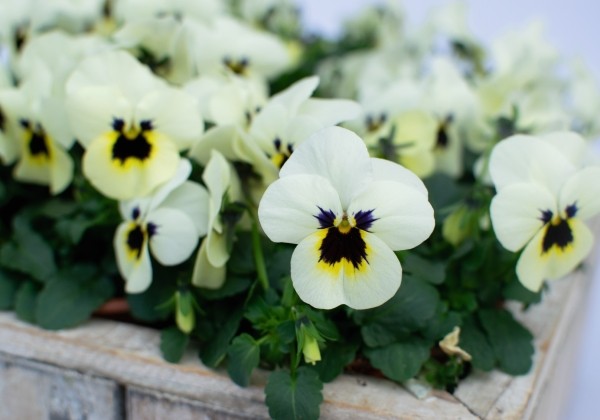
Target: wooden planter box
{"x": 111, "y": 370}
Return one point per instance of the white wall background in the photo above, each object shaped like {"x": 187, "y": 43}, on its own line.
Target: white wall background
{"x": 573, "y": 26}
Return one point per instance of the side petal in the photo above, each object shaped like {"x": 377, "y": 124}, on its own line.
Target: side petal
{"x": 289, "y": 207}
{"x": 516, "y": 213}
{"x": 134, "y": 265}
{"x": 570, "y": 144}
{"x": 61, "y": 170}
{"x": 583, "y": 190}
{"x": 326, "y": 286}
{"x": 402, "y": 216}
{"x": 174, "y": 238}
{"x": 205, "y": 274}
{"x": 192, "y": 199}
{"x": 336, "y": 154}
{"x": 522, "y": 158}
{"x": 330, "y": 111}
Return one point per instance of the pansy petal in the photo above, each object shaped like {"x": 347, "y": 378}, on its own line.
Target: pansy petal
{"x": 582, "y": 190}
{"x": 174, "y": 237}
{"x": 570, "y": 144}
{"x": 326, "y": 286}
{"x": 385, "y": 170}
{"x": 216, "y": 177}
{"x": 522, "y": 158}
{"x": 220, "y": 138}
{"x": 336, "y": 154}
{"x": 133, "y": 262}
{"x": 132, "y": 177}
{"x": 292, "y": 97}
{"x": 535, "y": 265}
{"x": 402, "y": 216}
{"x": 205, "y": 274}
{"x": 192, "y": 199}
{"x": 61, "y": 171}
{"x": 516, "y": 213}
{"x": 184, "y": 169}
{"x": 216, "y": 248}
{"x": 330, "y": 111}
{"x": 91, "y": 111}
{"x": 289, "y": 207}
{"x": 422, "y": 163}
{"x": 174, "y": 113}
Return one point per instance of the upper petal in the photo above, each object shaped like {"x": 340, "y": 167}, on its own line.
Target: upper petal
{"x": 582, "y": 190}
{"x": 336, "y": 154}
{"x": 385, "y": 170}
{"x": 403, "y": 218}
{"x": 288, "y": 208}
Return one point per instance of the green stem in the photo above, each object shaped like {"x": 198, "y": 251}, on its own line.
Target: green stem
{"x": 259, "y": 258}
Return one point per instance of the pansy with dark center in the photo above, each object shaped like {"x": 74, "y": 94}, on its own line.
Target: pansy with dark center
{"x": 132, "y": 143}
{"x": 442, "y": 133}
{"x": 239, "y": 67}
{"x": 37, "y": 140}
{"x": 344, "y": 240}
{"x": 558, "y": 231}
{"x": 282, "y": 153}
{"x": 375, "y": 122}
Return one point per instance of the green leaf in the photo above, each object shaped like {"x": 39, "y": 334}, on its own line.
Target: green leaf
{"x": 278, "y": 266}
{"x": 214, "y": 350}
{"x": 232, "y": 286}
{"x": 28, "y": 252}
{"x": 292, "y": 398}
{"x": 173, "y": 344}
{"x": 243, "y": 356}
{"x": 441, "y": 323}
{"x": 8, "y": 290}
{"x": 512, "y": 343}
{"x": 334, "y": 358}
{"x": 242, "y": 259}
{"x": 443, "y": 192}
{"x": 400, "y": 361}
{"x": 473, "y": 341}
{"x": 516, "y": 291}
{"x": 25, "y": 301}
{"x": 433, "y": 272}
{"x": 150, "y": 305}
{"x": 71, "y": 296}
{"x": 409, "y": 310}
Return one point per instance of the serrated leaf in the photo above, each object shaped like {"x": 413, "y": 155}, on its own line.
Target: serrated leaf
{"x": 294, "y": 398}
{"x": 408, "y": 311}
{"x": 8, "y": 290}
{"x": 71, "y": 296}
{"x": 433, "y": 272}
{"x": 473, "y": 340}
{"x": 25, "y": 301}
{"x": 512, "y": 342}
{"x": 334, "y": 358}
{"x": 173, "y": 344}
{"x": 400, "y": 361}
{"x": 28, "y": 252}
{"x": 243, "y": 357}
{"x": 215, "y": 349}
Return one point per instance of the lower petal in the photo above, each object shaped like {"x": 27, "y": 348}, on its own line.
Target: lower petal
{"x": 135, "y": 267}
{"x": 326, "y": 286}
{"x": 535, "y": 266}
{"x": 206, "y": 274}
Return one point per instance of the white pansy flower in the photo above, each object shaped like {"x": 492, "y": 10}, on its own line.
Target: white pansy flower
{"x": 285, "y": 121}
{"x": 348, "y": 213}
{"x": 132, "y": 124}
{"x": 168, "y": 223}
{"x": 132, "y": 10}
{"x": 37, "y": 132}
{"x": 233, "y": 47}
{"x": 544, "y": 197}
{"x": 223, "y": 186}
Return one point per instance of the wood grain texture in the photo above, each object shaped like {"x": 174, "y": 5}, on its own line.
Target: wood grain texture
{"x": 130, "y": 355}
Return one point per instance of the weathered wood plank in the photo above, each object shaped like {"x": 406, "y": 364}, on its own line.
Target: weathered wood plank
{"x": 32, "y": 390}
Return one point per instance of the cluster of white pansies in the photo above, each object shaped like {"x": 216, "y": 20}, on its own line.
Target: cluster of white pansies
{"x": 168, "y": 222}
{"x": 348, "y": 213}
{"x": 131, "y": 123}
{"x": 545, "y": 193}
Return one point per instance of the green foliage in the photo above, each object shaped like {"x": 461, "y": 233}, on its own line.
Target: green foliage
{"x": 294, "y": 396}
{"x": 511, "y": 342}
{"x": 400, "y": 361}
{"x": 173, "y": 343}
{"x": 214, "y": 349}
{"x": 243, "y": 356}
{"x": 26, "y": 300}
{"x": 71, "y": 296}
{"x": 8, "y": 290}
{"x": 334, "y": 358}
{"x": 408, "y": 311}
{"x": 28, "y": 252}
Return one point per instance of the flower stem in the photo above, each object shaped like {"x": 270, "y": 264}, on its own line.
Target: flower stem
{"x": 259, "y": 259}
